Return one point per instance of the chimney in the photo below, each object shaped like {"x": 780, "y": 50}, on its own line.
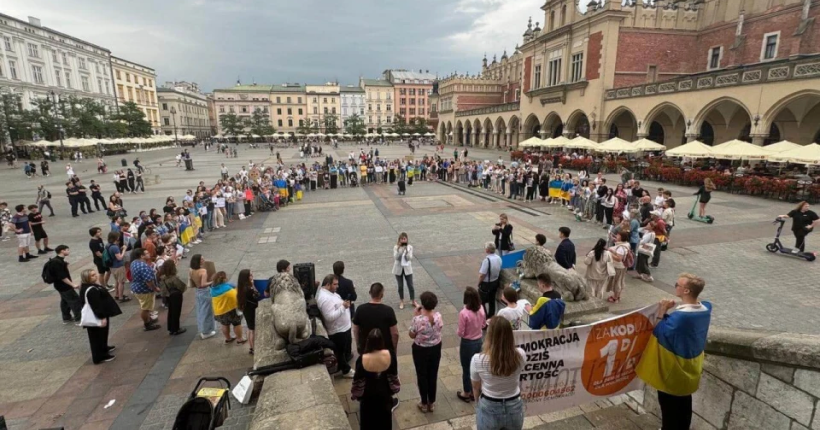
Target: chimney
{"x": 34, "y": 21}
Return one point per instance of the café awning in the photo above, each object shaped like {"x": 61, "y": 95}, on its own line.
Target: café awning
{"x": 648, "y": 145}
{"x": 693, "y": 149}
{"x": 740, "y": 150}
{"x": 617, "y": 145}
{"x": 809, "y": 154}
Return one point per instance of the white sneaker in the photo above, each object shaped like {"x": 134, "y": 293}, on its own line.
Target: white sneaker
{"x": 208, "y": 335}
{"x": 197, "y": 241}
{"x": 349, "y": 375}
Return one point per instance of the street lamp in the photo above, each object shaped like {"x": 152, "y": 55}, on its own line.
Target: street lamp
{"x": 174, "y": 116}
{"x": 60, "y": 131}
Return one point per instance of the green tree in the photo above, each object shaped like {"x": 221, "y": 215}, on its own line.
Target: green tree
{"x": 331, "y": 123}
{"x": 130, "y": 115}
{"x": 379, "y": 130}
{"x": 400, "y": 125}
{"x": 14, "y": 121}
{"x": 354, "y": 124}
{"x": 259, "y": 124}
{"x": 231, "y": 124}
{"x": 420, "y": 126}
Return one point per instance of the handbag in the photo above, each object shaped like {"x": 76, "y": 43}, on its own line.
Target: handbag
{"x": 87, "y": 317}
{"x": 486, "y": 289}
{"x": 647, "y": 249}
{"x": 512, "y": 245}
{"x": 610, "y": 268}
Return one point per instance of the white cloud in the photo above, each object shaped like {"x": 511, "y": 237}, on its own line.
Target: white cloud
{"x": 497, "y": 25}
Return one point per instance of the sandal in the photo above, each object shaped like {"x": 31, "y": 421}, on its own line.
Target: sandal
{"x": 422, "y": 407}
{"x": 431, "y": 407}
{"x": 464, "y": 398}
{"x": 611, "y": 299}
{"x": 240, "y": 342}
{"x": 125, "y": 299}
{"x": 250, "y": 351}
{"x": 229, "y": 340}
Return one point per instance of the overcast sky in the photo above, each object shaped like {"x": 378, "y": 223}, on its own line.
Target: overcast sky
{"x": 213, "y": 42}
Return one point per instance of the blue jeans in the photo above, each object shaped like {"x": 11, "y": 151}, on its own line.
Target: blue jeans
{"x": 507, "y": 415}
{"x": 467, "y": 350}
{"x": 209, "y": 221}
{"x": 634, "y": 247}
{"x": 204, "y": 311}
{"x": 229, "y": 210}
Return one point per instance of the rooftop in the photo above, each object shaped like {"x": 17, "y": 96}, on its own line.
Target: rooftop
{"x": 377, "y": 83}
{"x": 401, "y": 74}
{"x": 351, "y": 89}
{"x": 37, "y": 24}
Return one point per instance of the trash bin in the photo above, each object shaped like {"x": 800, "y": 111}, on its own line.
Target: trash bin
{"x": 124, "y": 162}
{"x": 189, "y": 164}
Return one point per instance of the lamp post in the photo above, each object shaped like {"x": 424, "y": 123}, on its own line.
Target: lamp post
{"x": 174, "y": 117}
{"x": 60, "y": 131}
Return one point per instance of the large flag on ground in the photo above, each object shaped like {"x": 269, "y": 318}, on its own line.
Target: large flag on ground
{"x": 577, "y": 365}
{"x": 673, "y": 359}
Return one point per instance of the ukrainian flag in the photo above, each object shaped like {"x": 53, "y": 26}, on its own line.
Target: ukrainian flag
{"x": 673, "y": 359}
{"x": 223, "y": 298}
{"x": 555, "y": 189}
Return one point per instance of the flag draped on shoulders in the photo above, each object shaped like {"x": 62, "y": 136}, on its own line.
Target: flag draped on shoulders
{"x": 223, "y": 298}
{"x": 547, "y": 313}
{"x": 673, "y": 359}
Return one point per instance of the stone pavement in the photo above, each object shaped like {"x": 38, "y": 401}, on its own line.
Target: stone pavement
{"x": 48, "y": 379}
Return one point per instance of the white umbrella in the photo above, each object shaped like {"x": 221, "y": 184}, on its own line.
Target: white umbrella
{"x": 648, "y": 145}
{"x": 581, "y": 142}
{"x": 556, "y": 142}
{"x": 782, "y": 146}
{"x": 617, "y": 145}
{"x": 740, "y": 150}
{"x": 429, "y": 134}
{"x": 809, "y": 154}
{"x": 405, "y": 134}
{"x": 693, "y": 149}
{"x": 320, "y": 134}
{"x": 533, "y": 141}
{"x": 416, "y": 134}
{"x": 311, "y": 135}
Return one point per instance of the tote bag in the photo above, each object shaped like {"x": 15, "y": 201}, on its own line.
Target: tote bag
{"x": 87, "y": 317}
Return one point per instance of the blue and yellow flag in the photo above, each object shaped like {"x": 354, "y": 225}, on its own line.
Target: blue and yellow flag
{"x": 673, "y": 359}
{"x": 547, "y": 314}
{"x": 223, "y": 298}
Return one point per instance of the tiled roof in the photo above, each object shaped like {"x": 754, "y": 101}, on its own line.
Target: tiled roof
{"x": 351, "y": 89}
{"x": 376, "y": 83}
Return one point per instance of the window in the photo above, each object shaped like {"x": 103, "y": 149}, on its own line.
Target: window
{"x": 315, "y": 110}
{"x": 290, "y": 123}
{"x": 378, "y": 108}
{"x": 33, "y": 50}
{"x": 771, "y": 42}
{"x": 299, "y": 100}
{"x": 144, "y": 82}
{"x": 86, "y": 87}
{"x": 244, "y": 109}
{"x": 167, "y": 121}
{"x": 1, "y": 70}
{"x": 278, "y": 100}
{"x": 287, "y": 100}
{"x": 130, "y": 95}
{"x": 537, "y": 78}
{"x": 577, "y": 73}
{"x": 128, "y": 77}
{"x": 290, "y": 111}
{"x": 421, "y": 111}
{"x": 324, "y": 100}
{"x": 412, "y": 101}
{"x": 552, "y": 20}
{"x": 7, "y": 42}
{"x": 714, "y": 58}
{"x": 389, "y": 108}
{"x": 279, "y": 111}
{"x": 402, "y": 111}
{"x": 100, "y": 85}
{"x": 54, "y": 56}
{"x": 563, "y": 15}
{"x": 333, "y": 110}
{"x": 65, "y": 58}
{"x": 300, "y": 111}
{"x": 81, "y": 62}
{"x": 108, "y": 92}
{"x": 652, "y": 74}
{"x": 412, "y": 111}
{"x": 165, "y": 106}
{"x": 279, "y": 122}
{"x": 97, "y": 67}
{"x": 222, "y": 109}
{"x": 117, "y": 72}
{"x": 230, "y": 109}
{"x": 12, "y": 69}
{"x": 555, "y": 72}
{"x": 403, "y": 101}
{"x": 326, "y": 110}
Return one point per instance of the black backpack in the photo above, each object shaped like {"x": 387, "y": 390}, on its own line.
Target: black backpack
{"x": 47, "y": 275}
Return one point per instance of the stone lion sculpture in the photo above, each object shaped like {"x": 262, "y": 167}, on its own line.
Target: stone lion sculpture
{"x": 537, "y": 260}
{"x": 290, "y": 320}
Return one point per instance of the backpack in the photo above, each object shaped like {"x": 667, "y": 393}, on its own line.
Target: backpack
{"x": 48, "y": 277}
{"x": 107, "y": 258}
{"x": 629, "y": 258}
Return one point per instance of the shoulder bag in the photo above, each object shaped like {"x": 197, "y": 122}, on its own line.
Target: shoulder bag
{"x": 487, "y": 289}
{"x": 87, "y": 317}
{"x": 610, "y": 268}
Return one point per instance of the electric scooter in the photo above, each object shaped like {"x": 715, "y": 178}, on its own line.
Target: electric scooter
{"x": 708, "y": 219}
{"x": 778, "y": 246}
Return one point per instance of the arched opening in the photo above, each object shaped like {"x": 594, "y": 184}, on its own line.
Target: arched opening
{"x": 488, "y": 133}
{"x": 669, "y": 125}
{"x": 817, "y": 137}
{"x": 477, "y": 140}
{"x": 774, "y": 135}
{"x": 728, "y": 120}
{"x": 552, "y": 127}
{"x": 623, "y": 124}
{"x": 578, "y": 125}
{"x": 797, "y": 117}
{"x": 459, "y": 134}
{"x": 707, "y": 133}
{"x": 515, "y": 137}
{"x": 501, "y": 129}
{"x": 656, "y": 133}
{"x": 532, "y": 127}
{"x": 468, "y": 133}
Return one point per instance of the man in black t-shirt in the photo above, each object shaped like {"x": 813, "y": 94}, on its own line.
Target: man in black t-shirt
{"x": 346, "y": 289}
{"x": 375, "y": 314}
{"x": 97, "y": 247}
{"x": 70, "y": 301}
{"x": 35, "y": 218}
{"x": 73, "y": 193}
{"x": 82, "y": 197}
{"x": 96, "y": 195}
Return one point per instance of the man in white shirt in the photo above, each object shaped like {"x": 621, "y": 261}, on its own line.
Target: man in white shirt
{"x": 336, "y": 317}
{"x": 488, "y": 278}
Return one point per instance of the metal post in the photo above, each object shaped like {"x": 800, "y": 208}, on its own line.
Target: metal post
{"x": 174, "y": 117}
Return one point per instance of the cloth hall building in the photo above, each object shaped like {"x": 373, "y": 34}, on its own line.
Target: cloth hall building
{"x": 670, "y": 71}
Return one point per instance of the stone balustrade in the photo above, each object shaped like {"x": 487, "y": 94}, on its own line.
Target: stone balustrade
{"x": 754, "y": 380}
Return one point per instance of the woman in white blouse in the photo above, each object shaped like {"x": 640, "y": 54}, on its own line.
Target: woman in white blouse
{"x": 403, "y": 269}
{"x": 495, "y": 374}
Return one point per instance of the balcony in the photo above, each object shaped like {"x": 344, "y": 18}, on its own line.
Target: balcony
{"x": 507, "y": 107}
{"x": 774, "y": 71}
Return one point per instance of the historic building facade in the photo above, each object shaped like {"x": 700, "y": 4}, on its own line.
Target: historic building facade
{"x": 36, "y": 61}
{"x": 284, "y": 104}
{"x": 353, "y": 102}
{"x": 183, "y": 110}
{"x": 137, "y": 83}
{"x": 288, "y": 107}
{"x": 380, "y": 106}
{"x": 323, "y": 105}
{"x": 410, "y": 92}
{"x": 672, "y": 71}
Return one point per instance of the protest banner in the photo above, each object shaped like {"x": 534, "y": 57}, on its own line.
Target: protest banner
{"x": 578, "y": 365}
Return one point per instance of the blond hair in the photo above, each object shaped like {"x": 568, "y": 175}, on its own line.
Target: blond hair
{"x": 85, "y": 276}
{"x": 800, "y": 205}
{"x": 694, "y": 284}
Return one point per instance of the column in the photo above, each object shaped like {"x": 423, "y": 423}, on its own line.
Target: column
{"x": 691, "y": 137}
{"x": 759, "y": 139}
{"x": 508, "y": 139}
